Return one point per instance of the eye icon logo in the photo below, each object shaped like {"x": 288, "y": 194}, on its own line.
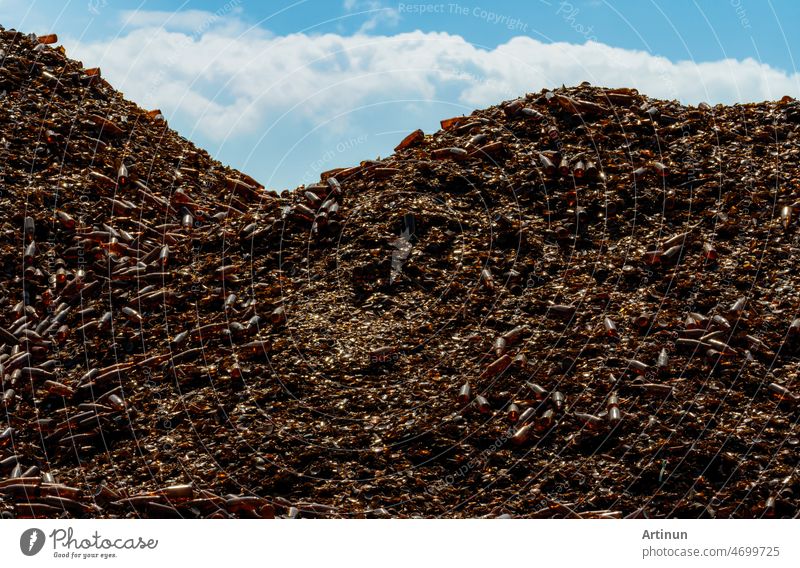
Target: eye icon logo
{"x": 31, "y": 542}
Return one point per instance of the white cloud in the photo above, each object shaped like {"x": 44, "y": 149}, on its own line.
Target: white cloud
{"x": 193, "y": 22}
{"x": 377, "y": 12}
{"x": 230, "y": 82}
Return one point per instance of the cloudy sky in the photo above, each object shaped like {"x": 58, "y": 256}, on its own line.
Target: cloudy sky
{"x": 284, "y": 89}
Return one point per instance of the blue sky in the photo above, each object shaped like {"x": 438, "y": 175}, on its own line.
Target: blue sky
{"x": 283, "y": 90}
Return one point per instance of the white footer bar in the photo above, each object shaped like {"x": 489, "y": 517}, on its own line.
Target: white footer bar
{"x": 588, "y": 543}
